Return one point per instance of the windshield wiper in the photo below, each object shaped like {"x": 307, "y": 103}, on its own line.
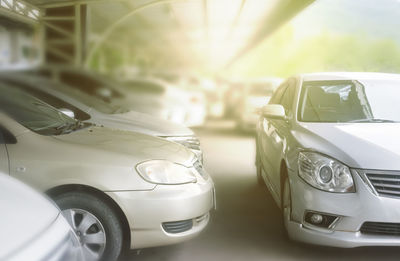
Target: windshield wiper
{"x": 371, "y": 120}
{"x": 70, "y": 127}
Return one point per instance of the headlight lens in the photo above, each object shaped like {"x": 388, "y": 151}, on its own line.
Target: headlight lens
{"x": 325, "y": 173}
{"x": 165, "y": 172}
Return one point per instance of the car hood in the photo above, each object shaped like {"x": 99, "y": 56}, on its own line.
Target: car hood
{"x": 132, "y": 146}
{"x": 359, "y": 145}
{"x": 25, "y": 214}
{"x": 146, "y": 124}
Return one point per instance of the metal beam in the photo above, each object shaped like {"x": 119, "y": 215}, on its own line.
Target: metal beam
{"x": 20, "y": 11}
{"x": 110, "y": 29}
{"x": 235, "y": 21}
{"x": 283, "y": 12}
{"x": 65, "y": 34}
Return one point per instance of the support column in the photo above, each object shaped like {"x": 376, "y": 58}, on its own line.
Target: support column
{"x": 65, "y": 33}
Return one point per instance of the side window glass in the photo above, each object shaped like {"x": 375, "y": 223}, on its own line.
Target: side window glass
{"x": 276, "y": 97}
{"x": 287, "y": 99}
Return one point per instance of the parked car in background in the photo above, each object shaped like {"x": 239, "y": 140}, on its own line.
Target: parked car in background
{"x": 232, "y": 97}
{"x": 45, "y": 236}
{"x": 165, "y": 101}
{"x": 84, "y": 107}
{"x": 117, "y": 189}
{"x": 111, "y": 91}
{"x": 328, "y": 151}
{"x": 193, "y": 97}
{"x": 254, "y": 95}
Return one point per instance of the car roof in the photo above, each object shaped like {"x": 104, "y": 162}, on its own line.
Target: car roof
{"x": 332, "y": 76}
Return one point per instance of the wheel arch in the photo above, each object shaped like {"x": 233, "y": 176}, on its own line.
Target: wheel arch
{"x": 59, "y": 190}
{"x": 283, "y": 171}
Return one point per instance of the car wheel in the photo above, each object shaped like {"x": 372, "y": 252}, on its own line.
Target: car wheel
{"x": 95, "y": 223}
{"x": 286, "y": 204}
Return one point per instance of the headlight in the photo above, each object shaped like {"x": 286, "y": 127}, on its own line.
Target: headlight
{"x": 325, "y": 173}
{"x": 165, "y": 172}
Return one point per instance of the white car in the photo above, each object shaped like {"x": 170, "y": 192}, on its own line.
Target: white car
{"x": 167, "y": 101}
{"x": 328, "y": 149}
{"x": 33, "y": 228}
{"x": 87, "y": 108}
{"x": 193, "y": 97}
{"x": 118, "y": 189}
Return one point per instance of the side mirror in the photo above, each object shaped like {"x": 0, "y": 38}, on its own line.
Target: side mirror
{"x": 273, "y": 111}
{"x": 68, "y": 112}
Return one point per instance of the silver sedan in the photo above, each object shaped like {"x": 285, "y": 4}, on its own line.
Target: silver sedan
{"x": 46, "y": 236}
{"x": 328, "y": 151}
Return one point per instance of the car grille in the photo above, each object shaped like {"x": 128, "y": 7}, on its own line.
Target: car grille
{"x": 178, "y": 226}
{"x": 385, "y": 183}
{"x": 378, "y": 228}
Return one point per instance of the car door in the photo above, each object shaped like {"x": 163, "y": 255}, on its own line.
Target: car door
{"x": 275, "y": 135}
{"x": 266, "y": 135}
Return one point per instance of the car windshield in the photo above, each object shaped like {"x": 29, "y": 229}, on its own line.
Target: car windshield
{"x": 261, "y": 89}
{"x": 35, "y": 114}
{"x": 350, "y": 101}
{"x": 91, "y": 84}
{"x": 95, "y": 102}
{"x": 90, "y": 101}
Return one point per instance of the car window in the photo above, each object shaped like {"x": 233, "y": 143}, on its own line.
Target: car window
{"x": 350, "y": 101}
{"x": 288, "y": 97}
{"x": 276, "y": 97}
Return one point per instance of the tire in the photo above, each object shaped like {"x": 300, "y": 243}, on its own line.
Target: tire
{"x": 286, "y": 205}
{"x": 96, "y": 224}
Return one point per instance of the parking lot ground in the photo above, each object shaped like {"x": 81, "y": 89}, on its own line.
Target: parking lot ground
{"x": 247, "y": 224}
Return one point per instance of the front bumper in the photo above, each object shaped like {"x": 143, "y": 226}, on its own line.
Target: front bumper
{"x": 352, "y": 209}
{"x": 147, "y": 211}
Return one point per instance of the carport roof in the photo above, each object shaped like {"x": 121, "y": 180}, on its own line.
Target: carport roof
{"x": 335, "y": 76}
{"x": 192, "y": 33}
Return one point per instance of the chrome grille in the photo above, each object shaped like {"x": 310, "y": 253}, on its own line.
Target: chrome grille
{"x": 178, "y": 226}
{"x": 380, "y": 228}
{"x": 385, "y": 183}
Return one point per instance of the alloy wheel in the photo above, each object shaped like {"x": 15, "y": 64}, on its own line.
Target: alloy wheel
{"x": 89, "y": 230}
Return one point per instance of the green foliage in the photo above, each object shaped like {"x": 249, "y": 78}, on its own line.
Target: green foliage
{"x": 285, "y": 54}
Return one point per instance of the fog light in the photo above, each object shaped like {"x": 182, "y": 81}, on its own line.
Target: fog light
{"x": 316, "y": 219}
{"x": 319, "y": 219}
